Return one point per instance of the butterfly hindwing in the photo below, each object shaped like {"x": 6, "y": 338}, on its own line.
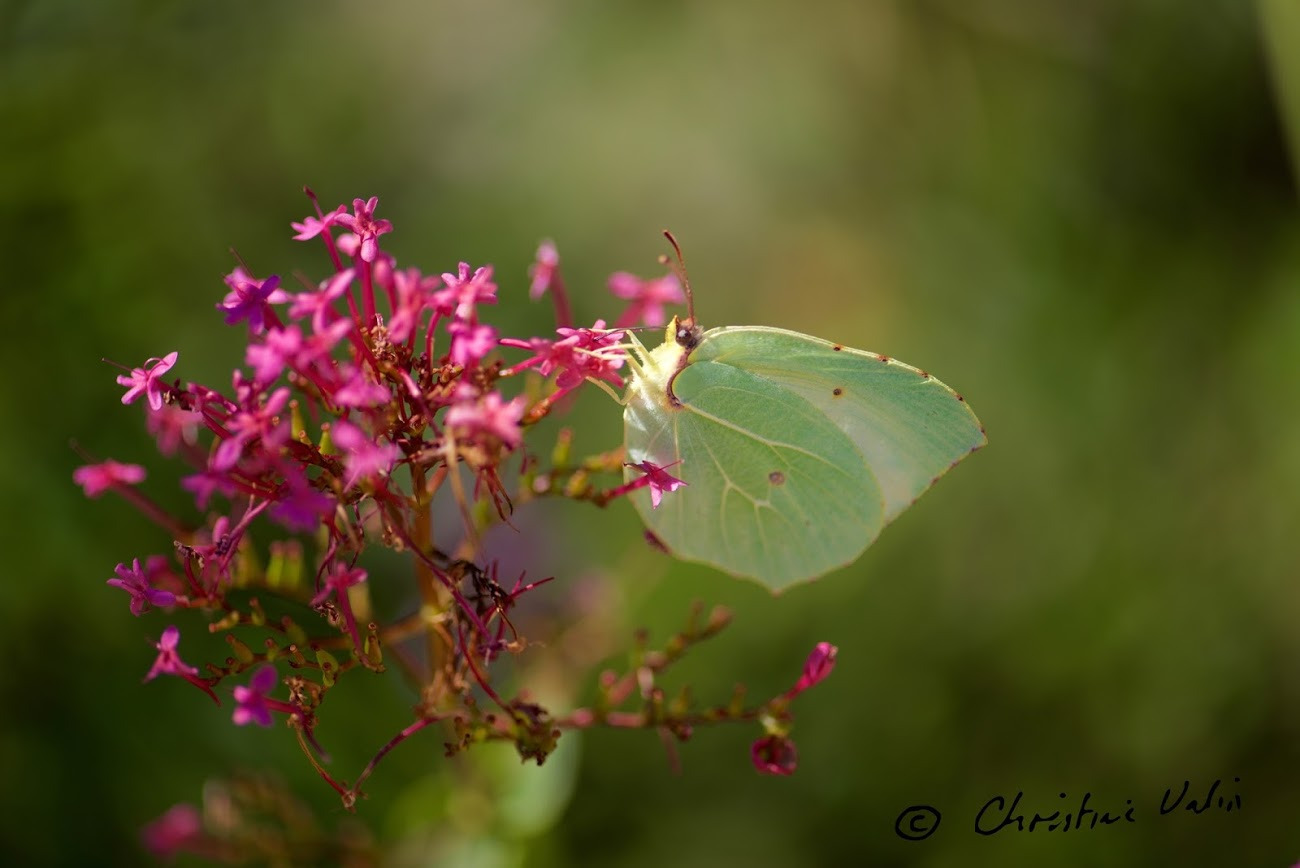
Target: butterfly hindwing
{"x": 775, "y": 490}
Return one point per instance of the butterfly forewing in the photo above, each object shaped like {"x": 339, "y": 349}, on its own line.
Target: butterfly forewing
{"x": 910, "y": 427}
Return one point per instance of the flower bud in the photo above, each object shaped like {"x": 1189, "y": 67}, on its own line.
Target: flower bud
{"x": 774, "y": 755}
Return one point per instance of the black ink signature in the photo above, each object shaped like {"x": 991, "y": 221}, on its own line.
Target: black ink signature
{"x": 1001, "y": 813}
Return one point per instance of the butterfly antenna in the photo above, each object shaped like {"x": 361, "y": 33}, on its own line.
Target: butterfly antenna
{"x": 679, "y": 269}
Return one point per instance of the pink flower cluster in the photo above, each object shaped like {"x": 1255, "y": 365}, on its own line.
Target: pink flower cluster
{"x": 361, "y": 397}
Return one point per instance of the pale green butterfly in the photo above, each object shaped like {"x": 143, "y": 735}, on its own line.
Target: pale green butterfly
{"x": 795, "y": 451}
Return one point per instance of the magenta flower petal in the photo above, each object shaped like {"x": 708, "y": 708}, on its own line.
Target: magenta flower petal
{"x": 133, "y": 580}
{"x": 169, "y": 661}
{"x": 338, "y": 582}
{"x": 774, "y": 755}
{"x": 470, "y": 343}
{"x": 646, "y": 298}
{"x": 95, "y": 479}
{"x": 367, "y": 229}
{"x": 815, "y": 669}
{"x": 319, "y": 305}
{"x": 468, "y": 290}
{"x": 145, "y": 380}
{"x": 367, "y": 458}
{"x": 313, "y": 226}
{"x": 174, "y": 832}
{"x": 660, "y": 481}
{"x": 251, "y": 701}
{"x": 358, "y": 390}
{"x": 542, "y": 271}
{"x": 298, "y": 505}
{"x": 250, "y": 300}
{"x": 490, "y": 416}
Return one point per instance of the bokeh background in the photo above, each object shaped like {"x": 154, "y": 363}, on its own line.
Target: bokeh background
{"x": 1081, "y": 215}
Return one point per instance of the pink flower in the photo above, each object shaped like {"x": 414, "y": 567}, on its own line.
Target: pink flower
{"x": 311, "y": 227}
{"x": 319, "y": 305}
{"x": 647, "y": 297}
{"x": 366, "y": 458}
{"x": 470, "y": 343}
{"x": 298, "y": 505}
{"x": 133, "y": 580}
{"x": 144, "y": 381}
{"x": 251, "y": 300}
{"x": 468, "y": 291}
{"x": 174, "y": 832}
{"x": 206, "y": 483}
{"x": 173, "y": 426}
{"x": 316, "y": 350}
{"x": 774, "y": 755}
{"x": 336, "y": 584}
{"x": 363, "y": 224}
{"x": 359, "y": 391}
{"x": 542, "y": 271}
{"x": 95, "y": 479}
{"x": 595, "y": 354}
{"x": 658, "y": 479}
{"x": 815, "y": 669}
{"x": 489, "y": 415}
{"x": 256, "y": 420}
{"x": 169, "y": 661}
{"x": 277, "y": 349}
{"x": 579, "y": 354}
{"x": 251, "y": 705}
{"x": 415, "y": 294}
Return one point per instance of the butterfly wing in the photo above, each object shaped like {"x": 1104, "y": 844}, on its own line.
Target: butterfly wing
{"x": 910, "y": 428}
{"x": 776, "y": 490}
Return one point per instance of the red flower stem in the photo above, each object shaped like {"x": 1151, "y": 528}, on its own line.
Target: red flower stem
{"x": 478, "y": 676}
{"x": 428, "y": 338}
{"x": 606, "y": 497}
{"x": 368, "y": 292}
{"x": 345, "y": 605}
{"x": 320, "y": 770}
{"x": 195, "y": 588}
{"x": 152, "y": 511}
{"x": 383, "y": 751}
{"x": 563, "y": 315}
{"x": 202, "y": 684}
{"x": 326, "y": 235}
{"x": 431, "y": 593}
{"x": 439, "y": 575}
{"x": 586, "y": 718}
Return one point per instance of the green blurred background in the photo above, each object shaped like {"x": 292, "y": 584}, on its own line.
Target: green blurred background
{"x": 1081, "y": 215}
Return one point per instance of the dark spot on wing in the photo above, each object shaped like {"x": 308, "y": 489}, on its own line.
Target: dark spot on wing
{"x": 837, "y": 391}
{"x": 883, "y": 358}
{"x": 655, "y": 542}
{"x": 959, "y": 397}
{"x": 837, "y": 347}
{"x": 924, "y": 375}
{"x": 776, "y": 477}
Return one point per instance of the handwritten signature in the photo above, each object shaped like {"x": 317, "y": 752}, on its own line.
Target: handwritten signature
{"x": 1001, "y": 813}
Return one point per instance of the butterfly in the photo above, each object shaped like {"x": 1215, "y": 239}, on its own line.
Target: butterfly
{"x": 794, "y": 451}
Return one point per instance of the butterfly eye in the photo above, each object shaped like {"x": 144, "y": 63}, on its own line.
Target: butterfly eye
{"x": 688, "y": 334}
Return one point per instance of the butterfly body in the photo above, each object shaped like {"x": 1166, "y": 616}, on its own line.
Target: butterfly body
{"x": 795, "y": 451}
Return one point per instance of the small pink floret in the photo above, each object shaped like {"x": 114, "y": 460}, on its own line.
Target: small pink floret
{"x": 95, "y": 479}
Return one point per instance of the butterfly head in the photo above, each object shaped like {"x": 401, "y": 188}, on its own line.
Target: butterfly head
{"x": 684, "y": 332}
